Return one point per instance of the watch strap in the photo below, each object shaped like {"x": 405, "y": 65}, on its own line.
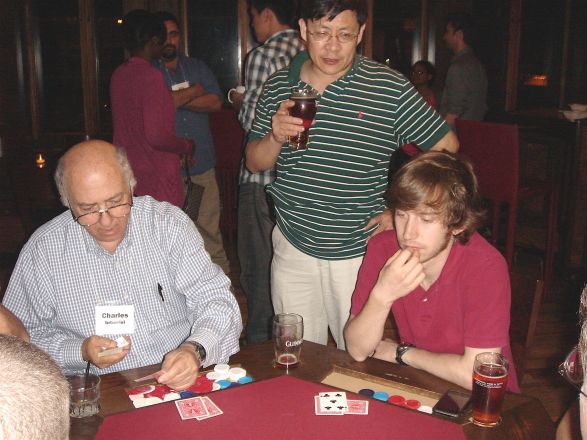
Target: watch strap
{"x": 400, "y": 351}
{"x": 200, "y": 350}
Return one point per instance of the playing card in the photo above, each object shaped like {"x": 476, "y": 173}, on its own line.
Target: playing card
{"x": 333, "y": 401}
{"x": 121, "y": 342}
{"x": 319, "y": 412}
{"x": 211, "y": 407}
{"x": 191, "y": 408}
{"x": 149, "y": 376}
{"x": 358, "y": 407}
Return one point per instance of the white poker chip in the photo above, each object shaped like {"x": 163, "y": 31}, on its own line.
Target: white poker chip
{"x": 234, "y": 374}
{"x": 222, "y": 368}
{"x": 212, "y": 375}
{"x": 216, "y": 386}
{"x": 171, "y": 396}
{"x": 425, "y": 409}
{"x": 146, "y": 401}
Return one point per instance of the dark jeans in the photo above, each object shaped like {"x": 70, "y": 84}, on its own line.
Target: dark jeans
{"x": 255, "y": 251}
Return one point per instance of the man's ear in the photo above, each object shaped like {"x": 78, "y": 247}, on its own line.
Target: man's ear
{"x": 303, "y": 29}
{"x": 360, "y": 36}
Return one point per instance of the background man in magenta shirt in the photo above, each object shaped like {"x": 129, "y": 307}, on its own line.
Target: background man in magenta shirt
{"x": 447, "y": 287}
{"x": 143, "y": 113}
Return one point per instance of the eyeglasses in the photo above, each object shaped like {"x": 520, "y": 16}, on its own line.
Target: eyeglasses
{"x": 91, "y": 218}
{"x": 572, "y": 370}
{"x": 323, "y": 37}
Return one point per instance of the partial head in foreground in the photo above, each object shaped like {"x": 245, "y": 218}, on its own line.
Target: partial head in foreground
{"x": 441, "y": 183}
{"x": 34, "y": 395}
{"x": 95, "y": 176}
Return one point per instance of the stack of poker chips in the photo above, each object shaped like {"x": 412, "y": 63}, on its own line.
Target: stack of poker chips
{"x": 396, "y": 399}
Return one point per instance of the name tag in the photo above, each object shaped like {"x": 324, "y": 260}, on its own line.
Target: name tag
{"x": 115, "y": 319}
{"x": 180, "y": 86}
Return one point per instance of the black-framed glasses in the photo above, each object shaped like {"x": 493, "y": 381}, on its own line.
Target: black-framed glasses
{"x": 91, "y": 218}
{"x": 323, "y": 36}
{"x": 571, "y": 369}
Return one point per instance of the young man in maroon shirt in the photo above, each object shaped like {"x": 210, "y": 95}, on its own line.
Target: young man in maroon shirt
{"x": 447, "y": 287}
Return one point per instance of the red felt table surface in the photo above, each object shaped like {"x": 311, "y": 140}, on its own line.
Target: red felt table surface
{"x": 279, "y": 408}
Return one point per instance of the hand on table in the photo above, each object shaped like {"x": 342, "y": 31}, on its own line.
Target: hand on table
{"x": 93, "y": 345}
{"x": 384, "y": 220}
{"x": 180, "y": 368}
{"x": 400, "y": 275}
{"x": 283, "y": 125}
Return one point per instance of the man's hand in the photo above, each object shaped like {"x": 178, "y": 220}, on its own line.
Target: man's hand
{"x": 400, "y": 275}
{"x": 386, "y": 350}
{"x": 384, "y": 220}
{"x": 180, "y": 367}
{"x": 189, "y": 156}
{"x": 95, "y": 344}
{"x": 283, "y": 125}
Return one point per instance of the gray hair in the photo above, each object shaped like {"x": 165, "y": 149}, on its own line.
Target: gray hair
{"x": 122, "y": 160}
{"x": 34, "y": 395}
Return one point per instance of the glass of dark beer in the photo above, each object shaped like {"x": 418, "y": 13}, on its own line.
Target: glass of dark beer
{"x": 490, "y": 378}
{"x": 304, "y": 99}
{"x": 288, "y": 335}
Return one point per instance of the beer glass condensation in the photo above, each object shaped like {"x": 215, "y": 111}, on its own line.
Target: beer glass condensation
{"x": 288, "y": 334}
{"x": 490, "y": 378}
{"x": 304, "y": 99}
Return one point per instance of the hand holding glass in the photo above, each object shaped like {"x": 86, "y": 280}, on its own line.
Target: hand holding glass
{"x": 305, "y": 108}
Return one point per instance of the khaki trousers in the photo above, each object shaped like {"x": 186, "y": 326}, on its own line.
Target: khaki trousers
{"x": 319, "y": 290}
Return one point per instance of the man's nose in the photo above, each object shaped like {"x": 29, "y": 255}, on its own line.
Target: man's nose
{"x": 411, "y": 229}
{"x": 106, "y": 219}
{"x": 333, "y": 43}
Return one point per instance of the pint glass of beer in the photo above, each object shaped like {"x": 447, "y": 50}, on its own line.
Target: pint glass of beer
{"x": 304, "y": 99}
{"x": 288, "y": 334}
{"x": 490, "y": 378}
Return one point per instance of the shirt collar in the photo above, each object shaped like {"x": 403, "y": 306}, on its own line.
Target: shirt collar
{"x": 280, "y": 33}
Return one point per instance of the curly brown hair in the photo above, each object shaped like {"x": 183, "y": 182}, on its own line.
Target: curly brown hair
{"x": 443, "y": 182}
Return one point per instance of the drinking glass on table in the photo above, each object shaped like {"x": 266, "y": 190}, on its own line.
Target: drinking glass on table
{"x": 288, "y": 334}
{"x": 84, "y": 395}
{"x": 490, "y": 378}
{"x": 304, "y": 99}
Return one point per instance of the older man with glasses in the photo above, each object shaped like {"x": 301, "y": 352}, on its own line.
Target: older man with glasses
{"x": 329, "y": 197}
{"x": 128, "y": 274}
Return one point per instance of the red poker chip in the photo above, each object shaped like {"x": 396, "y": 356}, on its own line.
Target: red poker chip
{"x": 413, "y": 404}
{"x": 201, "y": 387}
{"x": 160, "y": 391}
{"x": 141, "y": 390}
{"x": 396, "y": 399}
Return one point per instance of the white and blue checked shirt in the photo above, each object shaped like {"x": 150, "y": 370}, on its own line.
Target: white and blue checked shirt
{"x": 62, "y": 274}
{"x": 262, "y": 62}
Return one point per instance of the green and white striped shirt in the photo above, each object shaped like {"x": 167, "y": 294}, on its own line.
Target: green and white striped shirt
{"x": 325, "y": 195}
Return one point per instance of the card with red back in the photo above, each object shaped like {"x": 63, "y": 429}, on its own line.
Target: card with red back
{"x": 211, "y": 407}
{"x": 358, "y": 407}
{"x": 191, "y": 408}
{"x": 320, "y": 412}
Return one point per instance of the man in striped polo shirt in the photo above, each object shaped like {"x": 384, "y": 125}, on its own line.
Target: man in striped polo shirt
{"x": 329, "y": 197}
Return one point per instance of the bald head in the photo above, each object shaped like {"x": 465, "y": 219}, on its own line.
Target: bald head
{"x": 91, "y": 160}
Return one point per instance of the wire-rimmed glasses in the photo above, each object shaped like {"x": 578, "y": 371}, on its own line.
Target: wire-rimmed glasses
{"x": 571, "y": 369}
{"x": 91, "y": 218}
{"x": 323, "y": 36}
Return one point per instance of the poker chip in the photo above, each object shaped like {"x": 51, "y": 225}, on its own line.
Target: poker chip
{"x": 138, "y": 392}
{"x": 184, "y": 394}
{"x": 396, "y": 400}
{"x": 216, "y": 386}
{"x": 222, "y": 368}
{"x": 234, "y": 374}
{"x": 425, "y": 409}
{"x": 223, "y": 383}
{"x": 234, "y": 385}
{"x": 171, "y": 396}
{"x": 381, "y": 395}
{"x": 413, "y": 404}
{"x": 246, "y": 379}
{"x": 146, "y": 401}
{"x": 213, "y": 375}
{"x": 366, "y": 392}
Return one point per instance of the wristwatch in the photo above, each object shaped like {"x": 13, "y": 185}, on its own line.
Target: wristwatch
{"x": 200, "y": 350}
{"x": 400, "y": 351}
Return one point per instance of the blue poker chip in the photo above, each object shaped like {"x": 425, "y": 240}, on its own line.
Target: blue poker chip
{"x": 246, "y": 379}
{"x": 184, "y": 394}
{"x": 234, "y": 385}
{"x": 381, "y": 395}
{"x": 366, "y": 392}
{"x": 223, "y": 383}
